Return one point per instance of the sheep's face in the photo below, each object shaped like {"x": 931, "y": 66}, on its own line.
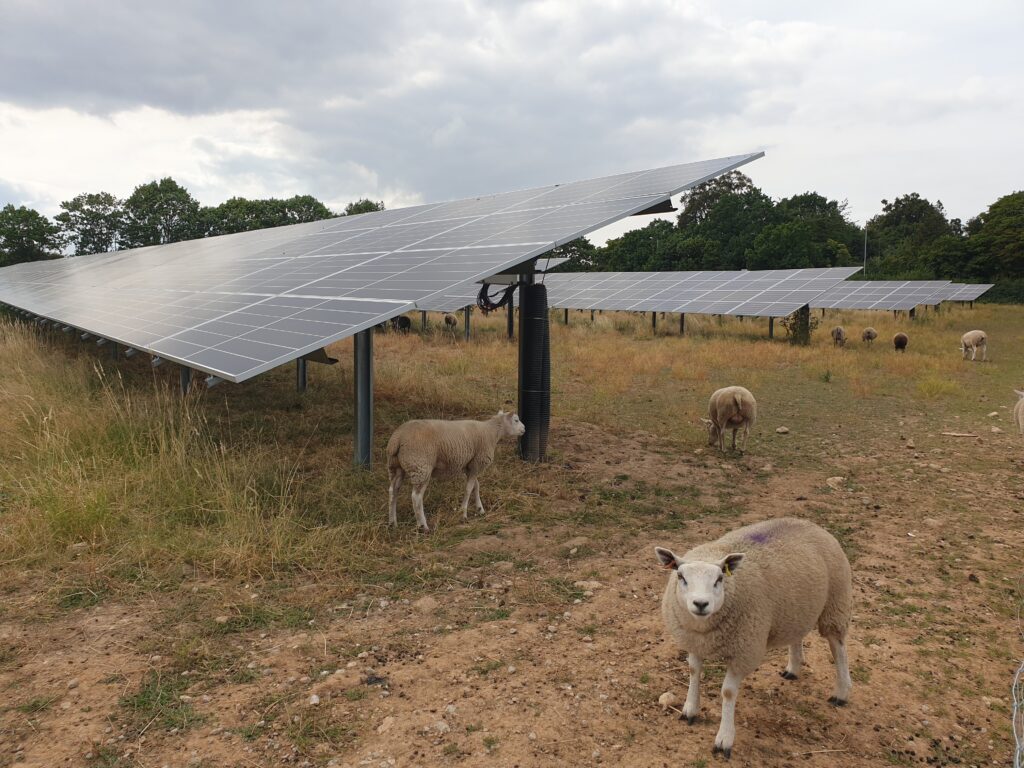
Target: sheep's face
{"x": 712, "y": 431}
{"x": 511, "y": 425}
{"x": 700, "y": 586}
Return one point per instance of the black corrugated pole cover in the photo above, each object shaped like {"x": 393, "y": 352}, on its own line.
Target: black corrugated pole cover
{"x": 534, "y": 371}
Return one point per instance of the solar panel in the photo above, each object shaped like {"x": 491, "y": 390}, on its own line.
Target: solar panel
{"x": 237, "y": 305}
{"x": 966, "y": 291}
{"x": 882, "y": 294}
{"x": 764, "y": 293}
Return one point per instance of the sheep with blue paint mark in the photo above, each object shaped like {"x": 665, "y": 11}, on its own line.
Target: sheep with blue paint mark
{"x": 763, "y": 586}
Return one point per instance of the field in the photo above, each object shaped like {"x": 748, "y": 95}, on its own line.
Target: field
{"x": 210, "y": 582}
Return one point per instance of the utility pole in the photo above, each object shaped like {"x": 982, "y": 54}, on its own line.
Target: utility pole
{"x": 865, "y": 270}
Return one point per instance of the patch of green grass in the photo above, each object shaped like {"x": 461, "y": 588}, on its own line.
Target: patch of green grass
{"x": 158, "y": 702}
{"x": 473, "y": 727}
{"x": 312, "y": 726}
{"x": 80, "y": 596}
{"x": 109, "y": 757}
{"x": 494, "y": 614}
{"x": 355, "y": 694}
{"x": 490, "y": 743}
{"x": 485, "y": 668}
{"x": 452, "y": 749}
{"x": 564, "y": 590}
{"x": 39, "y": 704}
{"x": 247, "y": 617}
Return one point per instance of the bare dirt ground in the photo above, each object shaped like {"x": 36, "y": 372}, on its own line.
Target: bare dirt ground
{"x": 541, "y": 643}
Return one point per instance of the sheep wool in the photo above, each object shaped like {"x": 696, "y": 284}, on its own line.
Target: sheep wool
{"x": 1018, "y": 411}
{"x": 763, "y": 586}
{"x": 972, "y": 342}
{"x": 730, "y": 408}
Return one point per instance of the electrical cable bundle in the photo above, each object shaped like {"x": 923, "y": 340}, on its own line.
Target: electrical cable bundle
{"x": 487, "y": 303}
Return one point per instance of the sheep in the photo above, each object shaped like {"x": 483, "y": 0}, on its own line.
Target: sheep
{"x": 899, "y": 342}
{"x": 869, "y": 335}
{"x": 730, "y": 407}
{"x": 420, "y": 448}
{"x": 839, "y": 336}
{"x": 401, "y": 323}
{"x": 1018, "y": 411}
{"x": 973, "y": 341}
{"x": 450, "y": 323}
{"x": 762, "y": 586}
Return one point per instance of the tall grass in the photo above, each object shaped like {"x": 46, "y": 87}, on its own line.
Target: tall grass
{"x": 106, "y": 473}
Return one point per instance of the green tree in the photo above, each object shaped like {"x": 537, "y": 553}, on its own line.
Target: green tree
{"x": 161, "y": 212}
{"x": 91, "y": 223}
{"x": 701, "y": 200}
{"x": 580, "y": 252}
{"x": 303, "y": 208}
{"x": 364, "y": 205}
{"x": 241, "y": 215}
{"x": 26, "y": 235}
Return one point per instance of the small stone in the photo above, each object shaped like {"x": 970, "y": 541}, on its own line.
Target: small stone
{"x": 996, "y": 431}
{"x": 73, "y": 683}
{"x": 910, "y": 443}
{"x": 314, "y": 700}
{"x": 386, "y": 724}
{"x": 835, "y": 483}
{"x": 441, "y": 727}
{"x": 667, "y": 700}
{"x": 451, "y": 709}
{"x": 782, "y": 430}
{"x": 576, "y": 542}
{"x": 532, "y": 736}
{"x": 222, "y": 619}
{"x": 974, "y": 578}
{"x": 993, "y": 414}
{"x": 587, "y": 584}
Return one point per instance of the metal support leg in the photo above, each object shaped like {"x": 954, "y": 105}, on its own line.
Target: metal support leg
{"x": 534, "y": 368}
{"x": 423, "y": 320}
{"x": 591, "y": 315}
{"x": 511, "y": 319}
{"x": 654, "y": 322}
{"x": 114, "y": 350}
{"x": 363, "y": 376}
{"x": 771, "y": 327}
{"x": 300, "y": 375}
{"x": 465, "y": 312}
{"x": 184, "y": 379}
{"x": 912, "y": 313}
{"x": 566, "y": 320}
{"x": 682, "y": 323}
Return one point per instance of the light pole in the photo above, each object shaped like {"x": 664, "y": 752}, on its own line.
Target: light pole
{"x": 865, "y": 270}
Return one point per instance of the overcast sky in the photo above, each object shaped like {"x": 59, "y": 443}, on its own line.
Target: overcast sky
{"x": 411, "y": 102}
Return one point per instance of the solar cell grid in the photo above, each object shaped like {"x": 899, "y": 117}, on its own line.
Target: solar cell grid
{"x": 882, "y": 294}
{"x": 377, "y": 264}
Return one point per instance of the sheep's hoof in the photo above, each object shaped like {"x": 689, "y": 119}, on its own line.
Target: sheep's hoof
{"x": 788, "y": 675}
{"x": 690, "y": 719}
{"x": 726, "y": 751}
{"x": 836, "y": 701}
{"x": 423, "y": 529}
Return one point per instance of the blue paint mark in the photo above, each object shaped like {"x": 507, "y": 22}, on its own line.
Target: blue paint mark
{"x": 760, "y": 538}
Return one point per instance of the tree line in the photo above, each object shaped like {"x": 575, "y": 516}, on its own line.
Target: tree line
{"x": 155, "y": 213}
{"x": 730, "y": 224}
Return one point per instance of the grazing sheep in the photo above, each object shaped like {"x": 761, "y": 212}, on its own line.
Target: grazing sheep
{"x": 973, "y": 341}
{"x": 450, "y": 322}
{"x": 1018, "y": 411}
{"x": 899, "y": 342}
{"x": 869, "y": 335}
{"x": 401, "y": 323}
{"x": 839, "y": 336}
{"x": 762, "y": 586}
{"x": 424, "y": 447}
{"x": 730, "y": 408}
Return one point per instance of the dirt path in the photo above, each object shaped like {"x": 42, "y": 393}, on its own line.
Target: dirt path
{"x": 545, "y": 646}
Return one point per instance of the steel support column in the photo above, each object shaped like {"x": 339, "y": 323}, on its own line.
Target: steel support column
{"x": 362, "y": 374}
{"x": 654, "y": 322}
{"x": 511, "y": 318}
{"x": 300, "y": 375}
{"x": 682, "y": 323}
{"x": 534, "y": 368}
{"x": 114, "y": 351}
{"x": 423, "y": 319}
{"x": 465, "y": 321}
{"x": 591, "y": 315}
{"x": 771, "y": 327}
{"x": 566, "y": 319}
{"x": 184, "y": 378}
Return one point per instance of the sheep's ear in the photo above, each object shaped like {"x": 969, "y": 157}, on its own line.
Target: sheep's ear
{"x": 1019, "y": 393}
{"x": 668, "y": 560}
{"x": 730, "y": 563}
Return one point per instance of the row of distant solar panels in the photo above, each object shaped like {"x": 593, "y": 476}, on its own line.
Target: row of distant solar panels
{"x": 767, "y": 293}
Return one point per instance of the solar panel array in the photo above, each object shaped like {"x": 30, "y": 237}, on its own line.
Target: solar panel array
{"x": 966, "y": 291}
{"x": 238, "y": 305}
{"x": 765, "y": 293}
{"x": 883, "y": 294}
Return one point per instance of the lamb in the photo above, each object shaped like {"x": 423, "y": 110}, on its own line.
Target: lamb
{"x": 839, "y": 336}
{"x": 730, "y": 408}
{"x": 1018, "y": 411}
{"x": 402, "y": 324}
{"x": 869, "y": 335}
{"x": 423, "y": 447}
{"x": 899, "y": 342}
{"x": 450, "y": 323}
{"x": 973, "y": 341}
{"x": 762, "y": 586}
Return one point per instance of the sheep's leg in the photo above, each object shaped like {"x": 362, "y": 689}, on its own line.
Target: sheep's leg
{"x": 396, "y": 485}
{"x": 984, "y": 354}
{"x": 479, "y": 504}
{"x": 734, "y": 431}
{"x": 470, "y": 482}
{"x": 796, "y": 660}
{"x": 727, "y": 730}
{"x": 746, "y": 434}
{"x": 417, "y": 504}
{"x": 843, "y": 682}
{"x": 691, "y": 709}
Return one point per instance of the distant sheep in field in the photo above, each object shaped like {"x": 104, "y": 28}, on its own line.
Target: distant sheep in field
{"x": 839, "y": 336}
{"x": 1018, "y": 411}
{"x": 869, "y": 335}
{"x": 450, "y": 323}
{"x": 730, "y": 408}
{"x": 763, "y": 586}
{"x": 899, "y": 342}
{"x": 424, "y": 447}
{"x": 972, "y": 341}
{"x": 402, "y": 324}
